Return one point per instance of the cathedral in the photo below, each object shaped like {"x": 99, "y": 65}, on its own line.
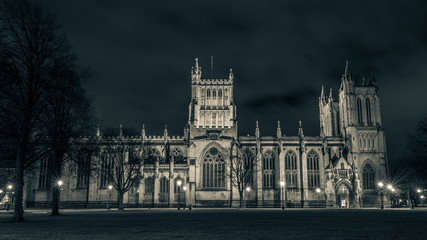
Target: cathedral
{"x": 337, "y": 169}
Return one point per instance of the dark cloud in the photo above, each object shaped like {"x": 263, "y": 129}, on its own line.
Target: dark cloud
{"x": 281, "y": 52}
{"x": 293, "y": 99}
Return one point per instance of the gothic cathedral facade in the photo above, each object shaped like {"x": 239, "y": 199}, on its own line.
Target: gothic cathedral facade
{"x": 338, "y": 168}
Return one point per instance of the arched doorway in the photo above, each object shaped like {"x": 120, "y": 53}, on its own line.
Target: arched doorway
{"x": 342, "y": 193}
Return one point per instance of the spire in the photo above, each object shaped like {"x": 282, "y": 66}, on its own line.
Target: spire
{"x": 372, "y": 80}
{"x": 322, "y": 93}
{"x": 347, "y": 69}
{"x": 300, "y": 131}
{"x": 197, "y": 64}
{"x": 143, "y": 133}
{"x": 331, "y": 97}
{"x": 279, "y": 130}
{"x": 121, "y": 130}
{"x": 257, "y": 130}
{"x": 231, "y": 77}
{"x": 165, "y": 134}
{"x": 363, "y": 81}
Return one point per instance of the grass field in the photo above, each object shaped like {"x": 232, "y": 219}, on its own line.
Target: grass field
{"x": 218, "y": 224}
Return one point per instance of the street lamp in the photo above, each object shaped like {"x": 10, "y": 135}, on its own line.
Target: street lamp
{"x": 179, "y": 182}
{"x": 282, "y": 184}
{"x": 109, "y": 196}
{"x": 418, "y": 190}
{"x": 380, "y": 184}
{"x": 318, "y": 194}
{"x": 422, "y": 199}
{"x": 185, "y": 188}
{"x": 9, "y": 187}
{"x": 248, "y": 189}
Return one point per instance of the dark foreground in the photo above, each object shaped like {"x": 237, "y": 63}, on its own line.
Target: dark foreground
{"x": 219, "y": 224}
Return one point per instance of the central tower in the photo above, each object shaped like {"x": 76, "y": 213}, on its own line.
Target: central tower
{"x": 212, "y": 105}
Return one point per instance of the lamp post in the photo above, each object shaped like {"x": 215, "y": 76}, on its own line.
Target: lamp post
{"x": 185, "y": 188}
{"x": 318, "y": 194}
{"x": 422, "y": 200}
{"x": 380, "y": 184}
{"x": 179, "y": 193}
{"x": 282, "y": 184}
{"x": 109, "y": 197}
{"x": 248, "y": 189}
{"x": 9, "y": 187}
{"x": 60, "y": 182}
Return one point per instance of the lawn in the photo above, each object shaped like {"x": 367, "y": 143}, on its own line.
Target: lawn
{"x": 219, "y": 224}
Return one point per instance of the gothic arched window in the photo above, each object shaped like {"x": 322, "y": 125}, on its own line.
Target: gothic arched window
{"x": 313, "y": 173}
{"x": 149, "y": 185}
{"x": 213, "y": 169}
{"x": 359, "y": 111}
{"x": 214, "y": 94}
{"x": 154, "y": 156}
{"x": 208, "y": 93}
{"x": 368, "y": 110}
{"x": 268, "y": 170}
{"x": 291, "y": 169}
{"x": 178, "y": 156}
{"x": 164, "y": 189}
{"x": 220, "y": 93}
{"x": 368, "y": 177}
{"x": 249, "y": 166}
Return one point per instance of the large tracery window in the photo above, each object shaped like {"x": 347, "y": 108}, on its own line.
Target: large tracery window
{"x": 368, "y": 177}
{"x": 268, "y": 170}
{"x": 178, "y": 157}
{"x": 359, "y": 111}
{"x": 213, "y": 170}
{"x": 313, "y": 173}
{"x": 291, "y": 169}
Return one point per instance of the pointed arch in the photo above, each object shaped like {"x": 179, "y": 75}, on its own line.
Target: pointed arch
{"x": 368, "y": 110}
{"x": 313, "y": 173}
{"x": 268, "y": 167}
{"x": 359, "y": 111}
{"x": 368, "y": 175}
{"x": 178, "y": 157}
{"x": 291, "y": 169}
{"x": 213, "y": 169}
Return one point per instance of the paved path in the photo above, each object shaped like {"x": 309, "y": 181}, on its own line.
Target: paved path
{"x": 219, "y": 224}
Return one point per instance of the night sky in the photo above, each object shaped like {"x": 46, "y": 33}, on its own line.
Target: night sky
{"x": 141, "y": 52}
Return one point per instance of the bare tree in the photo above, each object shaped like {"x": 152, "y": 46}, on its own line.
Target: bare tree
{"x": 121, "y": 163}
{"x": 67, "y": 116}
{"x": 29, "y": 45}
{"x": 242, "y": 168}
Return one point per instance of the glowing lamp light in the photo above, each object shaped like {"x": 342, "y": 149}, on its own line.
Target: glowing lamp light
{"x": 282, "y": 183}
{"x": 179, "y": 182}
{"x": 60, "y": 183}
{"x": 380, "y": 184}
{"x": 389, "y": 186}
{"x": 185, "y": 188}
{"x": 318, "y": 190}
{"x": 248, "y": 189}
{"x": 110, "y": 187}
{"x": 10, "y": 187}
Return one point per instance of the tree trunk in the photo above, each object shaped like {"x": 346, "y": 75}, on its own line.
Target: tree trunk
{"x": 18, "y": 213}
{"x": 55, "y": 200}
{"x": 120, "y": 200}
{"x": 241, "y": 198}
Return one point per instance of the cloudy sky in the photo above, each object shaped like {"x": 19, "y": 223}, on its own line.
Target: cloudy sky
{"x": 140, "y": 54}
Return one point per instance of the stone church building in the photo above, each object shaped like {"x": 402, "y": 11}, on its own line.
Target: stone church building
{"x": 338, "y": 168}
